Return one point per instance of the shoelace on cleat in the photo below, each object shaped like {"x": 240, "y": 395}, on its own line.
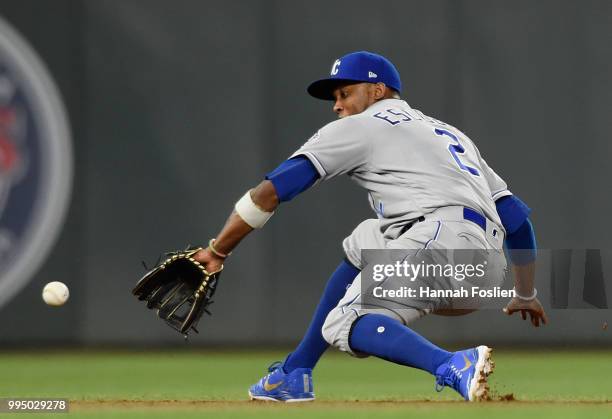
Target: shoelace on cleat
{"x": 450, "y": 377}
{"x": 274, "y": 366}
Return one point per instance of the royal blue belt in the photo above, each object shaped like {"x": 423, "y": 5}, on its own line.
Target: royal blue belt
{"x": 475, "y": 217}
{"x": 468, "y": 214}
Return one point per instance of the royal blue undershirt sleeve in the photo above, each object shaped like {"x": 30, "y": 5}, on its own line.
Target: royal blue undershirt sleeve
{"x": 293, "y": 177}
{"x": 512, "y": 211}
{"x": 520, "y": 237}
{"x": 521, "y": 244}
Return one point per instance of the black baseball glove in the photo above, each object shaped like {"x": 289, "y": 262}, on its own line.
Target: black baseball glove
{"x": 180, "y": 289}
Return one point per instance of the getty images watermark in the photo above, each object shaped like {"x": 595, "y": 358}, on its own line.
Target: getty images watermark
{"x": 421, "y": 270}
{"x": 480, "y": 279}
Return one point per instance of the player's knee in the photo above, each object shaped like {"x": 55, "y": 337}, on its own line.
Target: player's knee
{"x": 326, "y": 331}
{"x": 330, "y": 328}
{"x": 364, "y": 236}
{"x": 337, "y": 326}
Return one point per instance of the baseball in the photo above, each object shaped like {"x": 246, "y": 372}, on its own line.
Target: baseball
{"x": 55, "y": 293}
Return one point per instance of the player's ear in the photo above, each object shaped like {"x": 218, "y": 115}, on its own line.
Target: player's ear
{"x": 379, "y": 91}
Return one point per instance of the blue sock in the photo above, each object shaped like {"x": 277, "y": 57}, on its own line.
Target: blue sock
{"x": 313, "y": 345}
{"x": 387, "y": 338}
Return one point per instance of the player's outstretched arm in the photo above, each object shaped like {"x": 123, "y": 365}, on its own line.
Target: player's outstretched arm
{"x": 289, "y": 179}
{"x": 521, "y": 244}
{"x": 265, "y": 199}
{"x": 522, "y": 248}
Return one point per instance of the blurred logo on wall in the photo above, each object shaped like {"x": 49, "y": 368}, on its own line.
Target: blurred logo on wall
{"x": 35, "y": 162}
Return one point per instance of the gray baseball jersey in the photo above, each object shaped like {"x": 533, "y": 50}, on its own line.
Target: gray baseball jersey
{"x": 410, "y": 163}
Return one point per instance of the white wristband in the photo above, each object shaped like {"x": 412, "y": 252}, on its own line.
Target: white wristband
{"x": 251, "y": 213}
{"x": 530, "y": 298}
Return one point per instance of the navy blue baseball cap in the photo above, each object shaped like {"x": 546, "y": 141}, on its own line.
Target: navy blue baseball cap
{"x": 361, "y": 66}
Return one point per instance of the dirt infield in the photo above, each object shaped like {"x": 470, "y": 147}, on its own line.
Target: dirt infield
{"x": 221, "y": 404}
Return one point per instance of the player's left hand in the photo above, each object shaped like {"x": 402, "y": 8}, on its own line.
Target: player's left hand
{"x": 211, "y": 262}
{"x": 533, "y": 308}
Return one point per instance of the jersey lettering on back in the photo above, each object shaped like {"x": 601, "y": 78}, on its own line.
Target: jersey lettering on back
{"x": 409, "y": 163}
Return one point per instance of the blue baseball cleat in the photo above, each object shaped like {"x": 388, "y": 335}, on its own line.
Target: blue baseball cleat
{"x": 467, "y": 373}
{"x": 277, "y": 386}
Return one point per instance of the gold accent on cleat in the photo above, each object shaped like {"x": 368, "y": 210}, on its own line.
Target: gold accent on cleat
{"x": 468, "y": 363}
{"x": 270, "y": 387}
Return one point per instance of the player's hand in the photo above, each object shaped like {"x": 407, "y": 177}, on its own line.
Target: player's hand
{"x": 533, "y": 308}
{"x": 212, "y": 263}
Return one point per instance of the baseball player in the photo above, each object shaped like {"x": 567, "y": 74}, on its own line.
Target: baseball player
{"x": 429, "y": 187}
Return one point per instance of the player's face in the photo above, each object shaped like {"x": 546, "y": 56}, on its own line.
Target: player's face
{"x": 352, "y": 99}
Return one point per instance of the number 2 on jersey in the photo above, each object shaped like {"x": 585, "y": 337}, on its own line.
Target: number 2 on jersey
{"x": 455, "y": 149}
